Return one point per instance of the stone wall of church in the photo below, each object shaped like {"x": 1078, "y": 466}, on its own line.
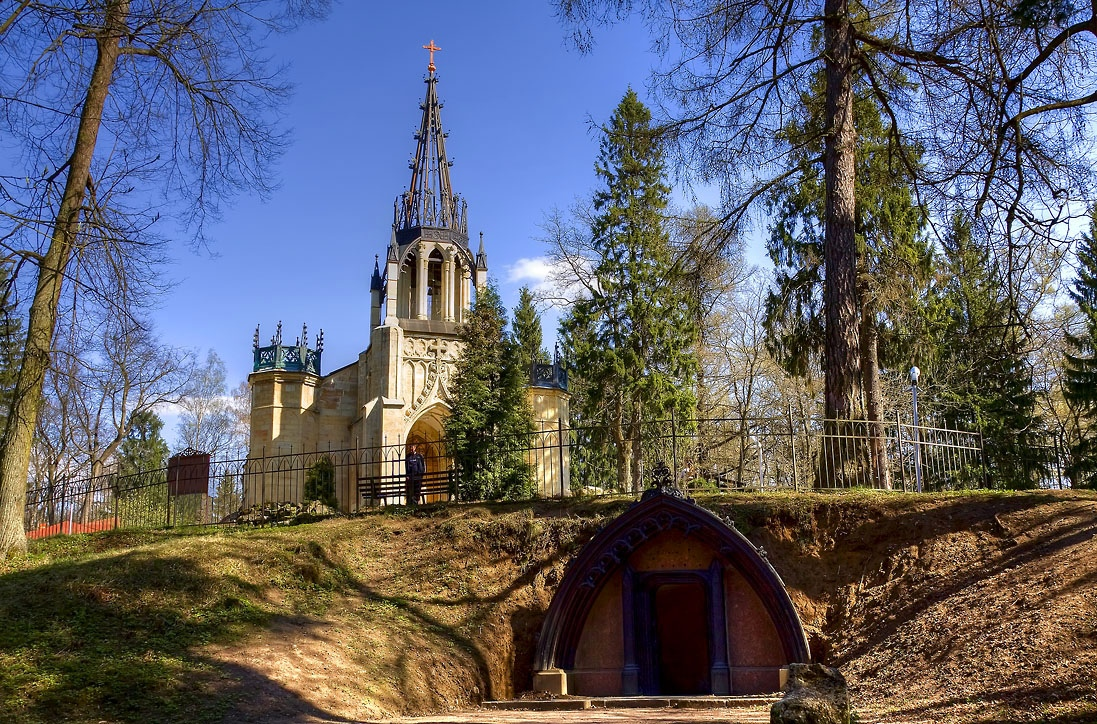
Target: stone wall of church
{"x": 336, "y": 407}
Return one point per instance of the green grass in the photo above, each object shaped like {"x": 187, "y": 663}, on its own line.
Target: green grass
{"x": 110, "y": 626}
{"x": 115, "y": 626}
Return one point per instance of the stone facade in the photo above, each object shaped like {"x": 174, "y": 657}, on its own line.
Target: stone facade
{"x": 398, "y": 392}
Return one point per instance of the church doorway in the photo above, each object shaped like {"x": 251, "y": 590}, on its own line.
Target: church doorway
{"x": 426, "y": 434}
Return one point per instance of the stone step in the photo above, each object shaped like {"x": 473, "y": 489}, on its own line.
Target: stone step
{"x": 574, "y": 703}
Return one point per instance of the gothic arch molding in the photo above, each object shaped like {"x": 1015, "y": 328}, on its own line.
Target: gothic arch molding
{"x": 609, "y": 552}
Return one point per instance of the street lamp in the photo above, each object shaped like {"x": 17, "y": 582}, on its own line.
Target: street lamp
{"x": 915, "y": 373}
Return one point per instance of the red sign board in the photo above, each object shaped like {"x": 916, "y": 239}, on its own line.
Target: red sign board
{"x": 188, "y": 474}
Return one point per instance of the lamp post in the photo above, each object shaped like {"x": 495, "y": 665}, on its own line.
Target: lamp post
{"x": 914, "y": 374}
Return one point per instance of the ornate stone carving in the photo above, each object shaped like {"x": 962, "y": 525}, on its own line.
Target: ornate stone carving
{"x": 437, "y": 356}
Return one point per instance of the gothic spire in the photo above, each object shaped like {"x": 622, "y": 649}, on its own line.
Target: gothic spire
{"x": 429, "y": 200}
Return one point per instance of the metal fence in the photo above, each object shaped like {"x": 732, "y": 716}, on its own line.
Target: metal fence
{"x": 702, "y": 455}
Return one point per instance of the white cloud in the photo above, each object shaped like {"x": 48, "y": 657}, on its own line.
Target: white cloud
{"x": 533, "y": 271}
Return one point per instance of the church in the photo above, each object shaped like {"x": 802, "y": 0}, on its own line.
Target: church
{"x": 399, "y": 391}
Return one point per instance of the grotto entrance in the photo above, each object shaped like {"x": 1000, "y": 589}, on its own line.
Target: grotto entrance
{"x": 668, "y": 600}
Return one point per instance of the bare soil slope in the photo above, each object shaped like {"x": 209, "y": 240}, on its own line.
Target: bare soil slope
{"x": 975, "y": 608}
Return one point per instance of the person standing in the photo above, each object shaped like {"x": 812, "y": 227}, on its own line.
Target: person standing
{"x": 414, "y": 467}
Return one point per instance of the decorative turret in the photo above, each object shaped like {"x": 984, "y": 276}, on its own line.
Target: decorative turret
{"x": 376, "y": 293}
{"x": 481, "y": 264}
{"x": 554, "y": 375}
{"x": 291, "y": 358}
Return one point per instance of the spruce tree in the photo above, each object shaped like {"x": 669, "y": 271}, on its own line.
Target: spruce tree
{"x": 527, "y": 332}
{"x": 144, "y": 449}
{"x": 488, "y": 429}
{"x": 977, "y": 377}
{"x": 635, "y": 333}
{"x": 1080, "y": 365}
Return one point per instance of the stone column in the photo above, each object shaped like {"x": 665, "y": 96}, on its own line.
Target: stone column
{"x": 392, "y": 291}
{"x": 421, "y": 282}
{"x": 448, "y": 285}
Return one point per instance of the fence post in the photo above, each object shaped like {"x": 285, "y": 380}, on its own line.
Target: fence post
{"x": 899, "y": 440}
{"x": 560, "y": 450}
{"x": 792, "y": 441}
{"x": 674, "y": 444}
{"x": 983, "y": 461}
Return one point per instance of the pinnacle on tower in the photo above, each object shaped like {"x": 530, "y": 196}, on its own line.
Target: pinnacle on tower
{"x": 375, "y": 281}
{"x": 430, "y": 200}
{"x": 482, "y": 256}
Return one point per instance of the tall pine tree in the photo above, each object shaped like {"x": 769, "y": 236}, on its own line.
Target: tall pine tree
{"x": 633, "y": 337}
{"x": 894, "y": 262}
{"x": 1080, "y": 365}
{"x": 488, "y": 429}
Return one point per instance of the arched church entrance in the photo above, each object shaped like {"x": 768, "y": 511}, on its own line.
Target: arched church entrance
{"x": 426, "y": 433}
{"x": 668, "y": 600}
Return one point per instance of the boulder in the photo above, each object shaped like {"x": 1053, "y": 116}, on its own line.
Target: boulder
{"x": 816, "y": 694}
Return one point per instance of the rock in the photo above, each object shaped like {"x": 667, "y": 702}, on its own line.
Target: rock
{"x": 817, "y": 694}
{"x": 285, "y": 513}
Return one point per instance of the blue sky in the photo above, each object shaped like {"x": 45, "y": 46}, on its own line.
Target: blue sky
{"x": 519, "y": 102}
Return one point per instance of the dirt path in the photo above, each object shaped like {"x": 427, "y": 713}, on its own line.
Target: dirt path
{"x": 746, "y": 715}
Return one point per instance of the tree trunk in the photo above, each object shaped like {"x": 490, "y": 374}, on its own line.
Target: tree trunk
{"x": 42, "y": 320}
{"x": 874, "y": 403}
{"x": 623, "y": 448}
{"x": 840, "y": 249}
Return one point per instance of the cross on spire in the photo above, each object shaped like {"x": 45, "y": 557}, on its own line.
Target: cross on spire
{"x": 432, "y": 47}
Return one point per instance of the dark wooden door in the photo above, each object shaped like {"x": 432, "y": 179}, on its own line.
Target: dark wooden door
{"x": 680, "y": 613}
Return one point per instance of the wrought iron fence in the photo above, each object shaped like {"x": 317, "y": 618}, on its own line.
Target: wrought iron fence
{"x": 702, "y": 455}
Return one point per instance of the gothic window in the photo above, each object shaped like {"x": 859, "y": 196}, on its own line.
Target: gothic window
{"x": 435, "y": 301}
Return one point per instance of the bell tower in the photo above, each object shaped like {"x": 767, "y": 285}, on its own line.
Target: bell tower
{"x": 429, "y": 269}
{"x": 422, "y": 293}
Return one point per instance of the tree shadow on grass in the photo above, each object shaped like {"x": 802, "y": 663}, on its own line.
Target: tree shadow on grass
{"x": 119, "y": 638}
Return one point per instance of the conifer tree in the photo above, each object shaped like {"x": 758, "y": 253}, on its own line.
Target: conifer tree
{"x": 144, "y": 448}
{"x": 976, "y": 377}
{"x": 1080, "y": 365}
{"x": 633, "y": 336}
{"x": 893, "y": 259}
{"x": 527, "y": 332}
{"x": 488, "y": 429}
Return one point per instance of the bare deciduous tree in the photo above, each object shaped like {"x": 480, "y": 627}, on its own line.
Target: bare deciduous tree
{"x": 211, "y": 418}
{"x": 111, "y": 102}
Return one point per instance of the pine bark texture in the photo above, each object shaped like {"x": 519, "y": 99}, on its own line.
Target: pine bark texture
{"x": 874, "y": 401}
{"x": 840, "y": 248}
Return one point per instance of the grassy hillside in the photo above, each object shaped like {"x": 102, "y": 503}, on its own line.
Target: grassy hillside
{"x": 964, "y": 608}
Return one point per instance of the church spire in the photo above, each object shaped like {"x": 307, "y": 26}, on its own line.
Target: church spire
{"x": 429, "y": 200}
